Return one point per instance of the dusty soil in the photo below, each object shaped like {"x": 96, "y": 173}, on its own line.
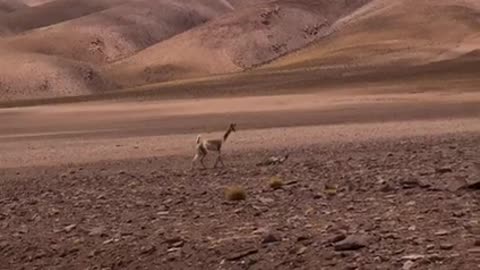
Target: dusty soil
{"x": 109, "y": 185}
{"x": 398, "y": 199}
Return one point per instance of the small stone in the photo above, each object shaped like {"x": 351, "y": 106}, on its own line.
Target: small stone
{"x": 108, "y": 241}
{"x": 413, "y": 257}
{"x": 301, "y": 250}
{"x": 69, "y": 228}
{"x": 303, "y": 238}
{"x": 441, "y": 233}
{"x": 446, "y": 246}
{"x": 264, "y": 200}
{"x": 477, "y": 242}
{"x": 475, "y": 250}
{"x": 458, "y": 214}
{"x": 351, "y": 243}
{"x": 177, "y": 244}
{"x": 410, "y": 203}
{"x": 98, "y": 231}
{"x": 336, "y": 238}
{"x": 443, "y": 170}
{"x": 409, "y": 183}
{"x": 408, "y": 265}
{"x": 241, "y": 254}
{"x": 270, "y": 238}
{"x": 147, "y": 250}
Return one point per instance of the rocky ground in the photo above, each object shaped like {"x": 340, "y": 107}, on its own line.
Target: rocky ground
{"x": 389, "y": 204}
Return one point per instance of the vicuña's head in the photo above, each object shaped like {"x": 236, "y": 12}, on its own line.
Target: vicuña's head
{"x": 233, "y": 126}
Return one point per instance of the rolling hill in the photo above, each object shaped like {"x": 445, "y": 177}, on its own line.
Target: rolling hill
{"x": 68, "y": 48}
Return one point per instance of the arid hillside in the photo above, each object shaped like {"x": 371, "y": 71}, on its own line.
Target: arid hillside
{"x": 403, "y": 32}
{"x": 67, "y": 48}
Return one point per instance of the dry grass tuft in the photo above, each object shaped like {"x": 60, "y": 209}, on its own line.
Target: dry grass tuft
{"x": 330, "y": 190}
{"x": 235, "y": 193}
{"x": 276, "y": 182}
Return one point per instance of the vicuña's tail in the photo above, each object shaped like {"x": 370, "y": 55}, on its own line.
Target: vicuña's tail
{"x": 199, "y": 138}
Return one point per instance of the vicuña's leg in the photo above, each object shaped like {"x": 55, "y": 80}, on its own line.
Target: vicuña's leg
{"x": 219, "y": 159}
{"x": 201, "y": 161}
{"x": 195, "y": 158}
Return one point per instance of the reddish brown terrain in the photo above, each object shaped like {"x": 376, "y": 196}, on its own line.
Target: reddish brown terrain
{"x": 357, "y": 142}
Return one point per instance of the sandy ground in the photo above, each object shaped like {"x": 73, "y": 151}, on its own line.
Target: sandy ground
{"x": 90, "y": 132}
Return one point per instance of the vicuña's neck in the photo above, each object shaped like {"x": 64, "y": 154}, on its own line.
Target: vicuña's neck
{"x": 225, "y": 136}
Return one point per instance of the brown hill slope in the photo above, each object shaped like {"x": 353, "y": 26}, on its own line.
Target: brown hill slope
{"x": 27, "y": 76}
{"x": 7, "y": 6}
{"x": 63, "y": 59}
{"x": 404, "y": 32}
{"x": 51, "y": 13}
{"x": 240, "y": 40}
{"x": 119, "y": 31}
{"x": 151, "y": 41}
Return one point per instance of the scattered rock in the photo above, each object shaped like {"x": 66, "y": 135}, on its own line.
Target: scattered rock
{"x": 351, "y": 243}
{"x": 175, "y": 242}
{"x": 475, "y": 250}
{"x": 147, "y": 250}
{"x": 409, "y": 183}
{"x": 264, "y": 200}
{"x": 446, "y": 246}
{"x": 70, "y": 228}
{"x": 303, "y": 238}
{"x": 443, "y": 170}
{"x": 408, "y": 265}
{"x": 413, "y": 257}
{"x": 473, "y": 183}
{"x": 336, "y": 238}
{"x": 301, "y": 250}
{"x": 270, "y": 238}
{"x": 441, "y": 233}
{"x": 274, "y": 160}
{"x": 97, "y": 231}
{"x": 477, "y": 242}
{"x": 241, "y": 254}
{"x": 108, "y": 241}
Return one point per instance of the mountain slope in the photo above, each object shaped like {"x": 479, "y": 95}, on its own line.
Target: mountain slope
{"x": 27, "y": 76}
{"x": 51, "y": 13}
{"x": 119, "y": 31}
{"x": 8, "y": 6}
{"x": 69, "y": 47}
{"x": 405, "y": 32}
{"x": 246, "y": 38}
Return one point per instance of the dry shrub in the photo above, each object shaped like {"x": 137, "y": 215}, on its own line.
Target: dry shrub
{"x": 330, "y": 190}
{"x": 276, "y": 182}
{"x": 235, "y": 193}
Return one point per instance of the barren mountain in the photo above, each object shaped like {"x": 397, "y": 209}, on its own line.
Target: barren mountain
{"x": 119, "y": 31}
{"x": 51, "y": 13}
{"x": 7, "y": 6}
{"x": 239, "y": 40}
{"x": 407, "y": 32}
{"x": 27, "y": 75}
{"x": 128, "y": 43}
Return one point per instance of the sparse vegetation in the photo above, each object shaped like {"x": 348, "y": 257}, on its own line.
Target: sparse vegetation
{"x": 235, "y": 193}
{"x": 276, "y": 182}
{"x": 330, "y": 190}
